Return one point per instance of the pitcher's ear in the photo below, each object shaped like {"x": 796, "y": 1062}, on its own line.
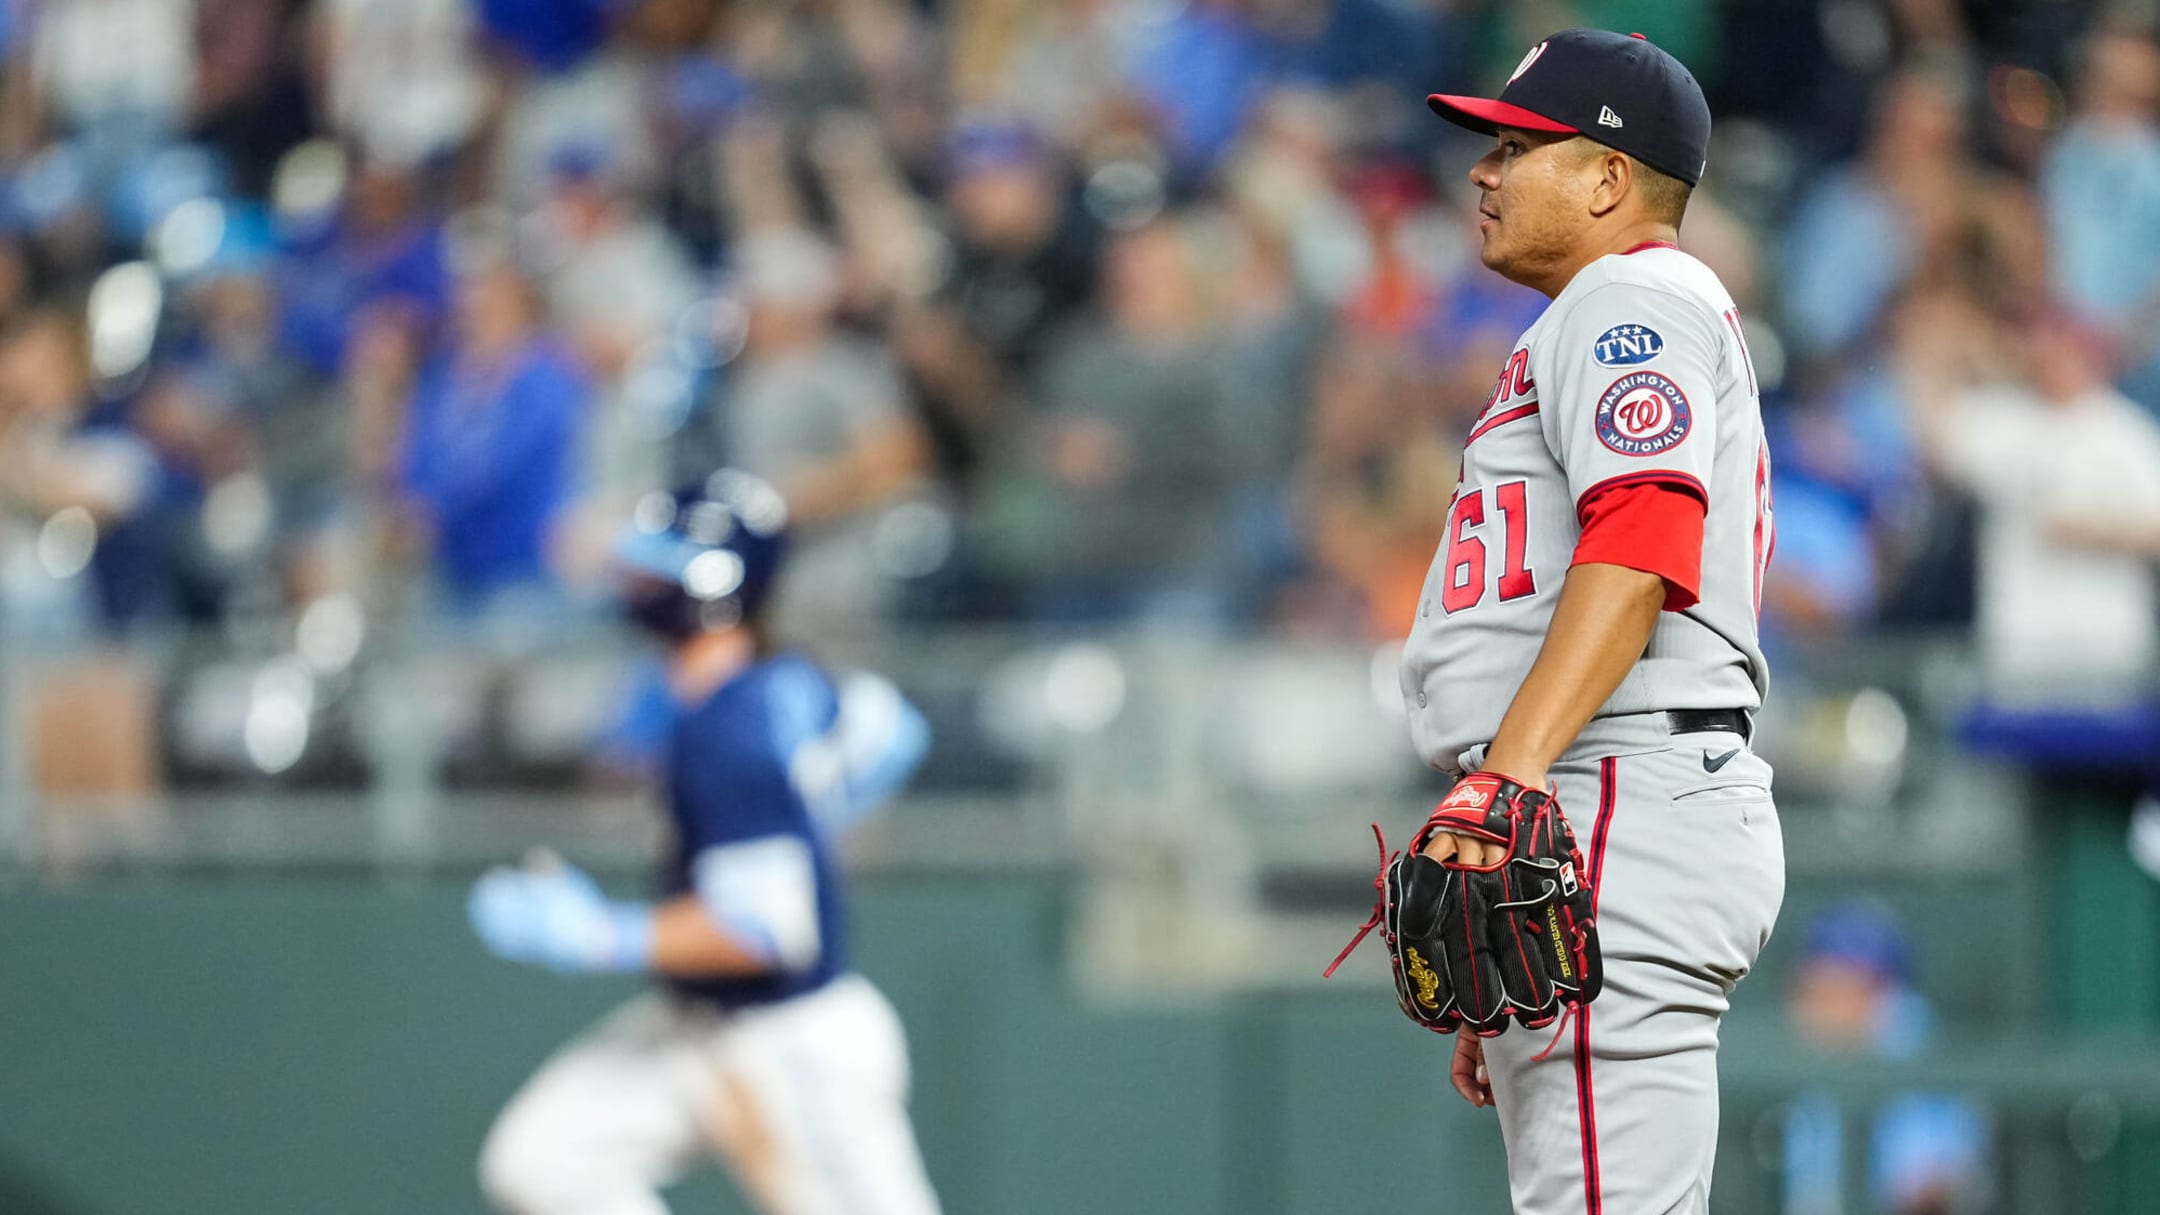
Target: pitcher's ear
{"x": 1616, "y": 180}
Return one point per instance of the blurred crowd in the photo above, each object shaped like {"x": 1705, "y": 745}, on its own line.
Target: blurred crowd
{"x": 1066, "y": 312}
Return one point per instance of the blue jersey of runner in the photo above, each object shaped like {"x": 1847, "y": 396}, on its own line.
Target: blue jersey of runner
{"x": 761, "y": 776}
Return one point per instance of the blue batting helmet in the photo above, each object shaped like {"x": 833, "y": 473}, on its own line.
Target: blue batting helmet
{"x": 709, "y": 552}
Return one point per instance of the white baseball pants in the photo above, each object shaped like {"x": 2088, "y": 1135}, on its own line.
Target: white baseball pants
{"x": 803, "y": 1101}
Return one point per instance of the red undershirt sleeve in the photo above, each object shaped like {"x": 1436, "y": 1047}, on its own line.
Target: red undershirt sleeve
{"x": 1652, "y": 526}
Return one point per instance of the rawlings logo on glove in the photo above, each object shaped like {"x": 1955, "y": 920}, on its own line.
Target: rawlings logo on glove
{"x": 1428, "y": 983}
{"x": 1483, "y": 945}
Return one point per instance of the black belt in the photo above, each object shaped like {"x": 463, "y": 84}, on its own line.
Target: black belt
{"x": 1696, "y": 721}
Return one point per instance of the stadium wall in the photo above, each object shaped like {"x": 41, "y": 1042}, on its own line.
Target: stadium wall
{"x": 336, "y": 1045}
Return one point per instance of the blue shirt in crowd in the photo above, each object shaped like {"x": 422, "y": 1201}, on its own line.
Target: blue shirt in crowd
{"x": 487, "y": 453}
{"x": 2102, "y": 188}
{"x": 323, "y": 285}
{"x": 1846, "y": 251}
{"x": 549, "y": 34}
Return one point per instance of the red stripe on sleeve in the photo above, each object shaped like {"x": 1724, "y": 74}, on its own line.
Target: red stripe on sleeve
{"x": 1652, "y": 523}
{"x": 1671, "y": 477}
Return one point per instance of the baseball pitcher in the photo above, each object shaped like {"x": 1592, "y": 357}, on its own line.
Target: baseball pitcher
{"x": 759, "y": 1045}
{"x": 1585, "y": 658}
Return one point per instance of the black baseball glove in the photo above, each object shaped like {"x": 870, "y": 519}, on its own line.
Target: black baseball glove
{"x": 1476, "y": 946}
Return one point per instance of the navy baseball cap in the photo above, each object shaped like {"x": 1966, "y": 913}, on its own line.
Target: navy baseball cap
{"x": 1617, "y": 89}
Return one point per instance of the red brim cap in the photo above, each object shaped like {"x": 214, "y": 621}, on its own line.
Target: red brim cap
{"x": 1485, "y": 115}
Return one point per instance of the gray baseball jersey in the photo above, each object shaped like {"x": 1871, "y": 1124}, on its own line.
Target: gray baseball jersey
{"x": 1637, "y": 372}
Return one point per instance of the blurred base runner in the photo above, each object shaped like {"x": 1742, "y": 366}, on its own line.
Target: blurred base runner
{"x": 804, "y": 1102}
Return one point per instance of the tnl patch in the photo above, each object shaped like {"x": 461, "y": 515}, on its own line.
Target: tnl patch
{"x": 1627, "y": 345}
{"x": 1642, "y": 414}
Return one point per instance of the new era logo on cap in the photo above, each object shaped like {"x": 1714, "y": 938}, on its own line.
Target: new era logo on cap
{"x": 1584, "y": 80}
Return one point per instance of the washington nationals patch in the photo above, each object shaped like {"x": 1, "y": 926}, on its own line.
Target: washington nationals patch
{"x": 1642, "y": 414}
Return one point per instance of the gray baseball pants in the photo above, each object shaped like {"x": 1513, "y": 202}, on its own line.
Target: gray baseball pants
{"x": 1681, "y": 839}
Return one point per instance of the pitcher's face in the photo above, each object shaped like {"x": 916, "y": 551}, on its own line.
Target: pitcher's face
{"x": 1533, "y": 200}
